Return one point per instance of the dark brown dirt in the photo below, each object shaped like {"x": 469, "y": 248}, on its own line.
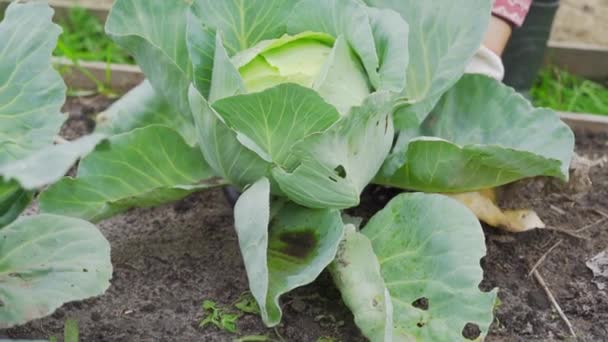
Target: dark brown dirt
{"x": 82, "y": 112}
{"x": 169, "y": 259}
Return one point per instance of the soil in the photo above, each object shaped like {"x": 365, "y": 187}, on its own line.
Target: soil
{"x": 582, "y": 21}
{"x": 167, "y": 260}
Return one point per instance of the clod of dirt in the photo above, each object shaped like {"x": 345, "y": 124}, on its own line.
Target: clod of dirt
{"x": 599, "y": 266}
{"x": 580, "y": 169}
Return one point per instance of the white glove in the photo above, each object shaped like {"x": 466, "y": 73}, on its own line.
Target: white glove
{"x": 486, "y": 62}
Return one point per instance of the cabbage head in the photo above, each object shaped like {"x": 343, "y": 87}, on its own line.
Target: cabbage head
{"x": 299, "y": 92}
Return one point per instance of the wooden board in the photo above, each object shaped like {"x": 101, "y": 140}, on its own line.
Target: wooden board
{"x": 99, "y": 8}
{"x": 588, "y": 61}
{"x": 586, "y": 122}
{"x": 84, "y": 76}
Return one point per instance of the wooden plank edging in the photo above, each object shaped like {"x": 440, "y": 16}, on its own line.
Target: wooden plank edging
{"x": 121, "y": 79}
{"x": 588, "y": 61}
{"x": 586, "y": 122}
{"x": 98, "y": 8}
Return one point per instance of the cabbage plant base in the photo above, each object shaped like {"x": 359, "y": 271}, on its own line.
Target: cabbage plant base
{"x": 173, "y": 257}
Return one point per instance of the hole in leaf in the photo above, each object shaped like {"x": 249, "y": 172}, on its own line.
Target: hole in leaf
{"x": 85, "y": 270}
{"x": 340, "y": 171}
{"x": 420, "y": 324}
{"x": 471, "y": 331}
{"x": 421, "y": 303}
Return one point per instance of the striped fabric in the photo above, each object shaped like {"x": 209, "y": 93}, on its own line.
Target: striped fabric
{"x": 513, "y": 11}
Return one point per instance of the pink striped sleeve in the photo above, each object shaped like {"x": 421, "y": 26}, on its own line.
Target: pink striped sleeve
{"x": 513, "y": 11}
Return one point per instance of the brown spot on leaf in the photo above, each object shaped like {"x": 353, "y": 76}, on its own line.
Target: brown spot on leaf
{"x": 298, "y": 244}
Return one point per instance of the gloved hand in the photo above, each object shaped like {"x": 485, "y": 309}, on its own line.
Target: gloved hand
{"x": 486, "y": 62}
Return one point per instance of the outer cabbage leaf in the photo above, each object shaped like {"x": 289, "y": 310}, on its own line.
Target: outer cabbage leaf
{"x": 31, "y": 92}
{"x": 226, "y": 156}
{"x": 244, "y": 23}
{"x": 145, "y": 167}
{"x": 140, "y": 107}
{"x": 430, "y": 266}
{"x": 154, "y": 32}
{"x": 444, "y": 35}
{"x": 46, "y": 261}
{"x": 13, "y": 200}
{"x": 333, "y": 168}
{"x": 343, "y": 81}
{"x": 380, "y": 43}
{"x": 292, "y": 252}
{"x": 49, "y": 164}
{"x": 215, "y": 76}
{"x": 31, "y": 96}
{"x": 481, "y": 135}
{"x": 356, "y": 273}
{"x": 272, "y": 122}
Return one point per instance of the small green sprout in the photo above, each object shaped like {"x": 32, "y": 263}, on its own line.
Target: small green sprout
{"x": 326, "y": 339}
{"x": 219, "y": 317}
{"x": 247, "y": 304}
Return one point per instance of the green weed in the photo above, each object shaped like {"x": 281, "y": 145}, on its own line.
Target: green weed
{"x": 219, "y": 317}
{"x": 247, "y": 304}
{"x": 253, "y": 338}
{"x": 71, "y": 333}
{"x": 560, "y": 90}
{"x": 84, "y": 39}
{"x": 326, "y": 339}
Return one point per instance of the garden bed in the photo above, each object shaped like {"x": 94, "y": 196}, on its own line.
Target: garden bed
{"x": 168, "y": 260}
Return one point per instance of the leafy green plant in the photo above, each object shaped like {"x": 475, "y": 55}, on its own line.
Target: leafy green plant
{"x": 219, "y": 317}
{"x": 45, "y": 260}
{"x": 227, "y": 319}
{"x": 560, "y": 90}
{"x": 302, "y": 104}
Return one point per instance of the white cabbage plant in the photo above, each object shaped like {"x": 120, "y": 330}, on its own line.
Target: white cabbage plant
{"x": 45, "y": 260}
{"x": 301, "y": 104}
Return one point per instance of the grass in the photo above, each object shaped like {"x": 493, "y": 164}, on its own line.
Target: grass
{"x": 84, "y": 39}
{"x": 560, "y": 90}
